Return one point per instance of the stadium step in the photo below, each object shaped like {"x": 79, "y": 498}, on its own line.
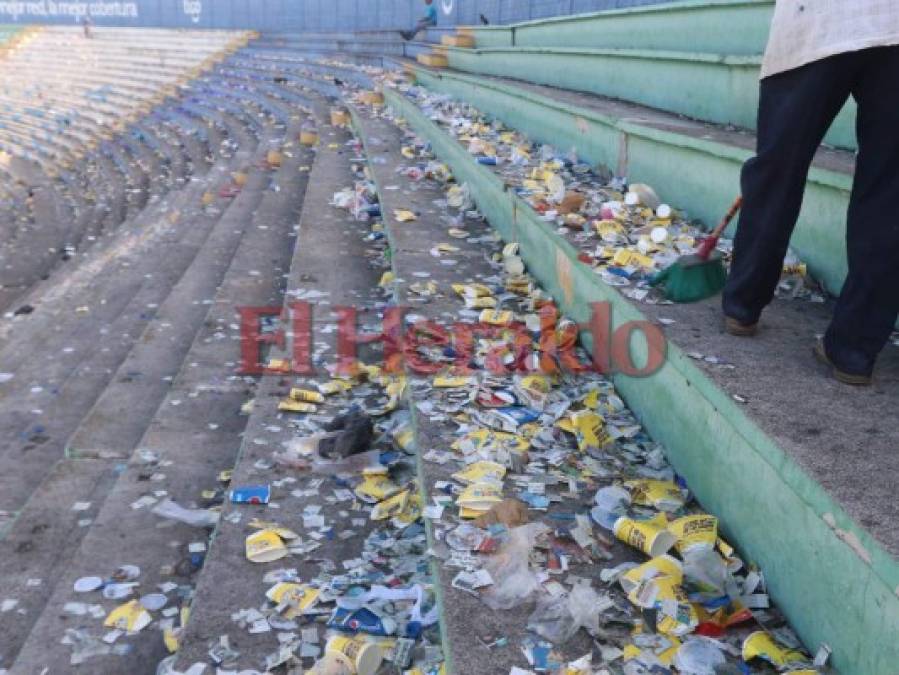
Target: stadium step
{"x": 705, "y": 25}
{"x": 413, "y": 245}
{"x": 699, "y": 163}
{"x": 121, "y": 285}
{"x": 719, "y": 88}
{"x": 119, "y": 417}
{"x": 193, "y": 436}
{"x": 327, "y": 239}
{"x": 757, "y": 423}
{"x": 38, "y": 548}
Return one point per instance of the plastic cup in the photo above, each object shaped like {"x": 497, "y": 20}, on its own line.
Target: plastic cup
{"x": 363, "y": 657}
{"x": 649, "y": 536}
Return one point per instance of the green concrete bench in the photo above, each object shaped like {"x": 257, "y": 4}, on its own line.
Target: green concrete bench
{"x": 799, "y": 472}
{"x": 718, "y": 88}
{"x": 703, "y": 25}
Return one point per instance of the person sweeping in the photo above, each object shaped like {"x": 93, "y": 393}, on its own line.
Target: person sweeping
{"x": 819, "y": 53}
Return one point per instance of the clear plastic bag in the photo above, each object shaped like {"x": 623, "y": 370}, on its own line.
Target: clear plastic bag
{"x": 513, "y": 581}
{"x": 557, "y": 619}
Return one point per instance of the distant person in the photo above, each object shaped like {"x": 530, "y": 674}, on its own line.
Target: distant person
{"x": 484, "y": 20}
{"x": 86, "y": 25}
{"x": 818, "y": 54}
{"x": 427, "y": 21}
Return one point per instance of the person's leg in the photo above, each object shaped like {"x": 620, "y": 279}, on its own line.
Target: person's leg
{"x": 795, "y": 110}
{"x": 423, "y": 24}
{"x": 868, "y": 305}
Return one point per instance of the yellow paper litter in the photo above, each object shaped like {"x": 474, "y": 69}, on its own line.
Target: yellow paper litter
{"x": 265, "y": 546}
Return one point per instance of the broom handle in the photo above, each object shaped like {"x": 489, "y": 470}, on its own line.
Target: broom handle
{"x": 709, "y": 243}
{"x": 729, "y": 216}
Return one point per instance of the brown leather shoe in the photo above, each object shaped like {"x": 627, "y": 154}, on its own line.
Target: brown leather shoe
{"x": 734, "y": 327}
{"x": 840, "y": 375}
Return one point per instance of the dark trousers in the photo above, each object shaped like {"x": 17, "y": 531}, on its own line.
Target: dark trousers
{"x": 423, "y": 24}
{"x": 795, "y": 110}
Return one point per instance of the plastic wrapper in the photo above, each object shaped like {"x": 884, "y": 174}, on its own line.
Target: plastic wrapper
{"x": 557, "y": 619}
{"x": 193, "y": 517}
{"x": 514, "y": 583}
{"x": 699, "y": 656}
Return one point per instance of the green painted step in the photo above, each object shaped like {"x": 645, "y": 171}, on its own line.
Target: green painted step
{"x": 698, "y": 163}
{"x": 719, "y": 88}
{"x": 833, "y": 579}
{"x": 715, "y": 26}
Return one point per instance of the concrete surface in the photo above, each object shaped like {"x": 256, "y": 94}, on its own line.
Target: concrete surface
{"x": 469, "y": 626}
{"x": 329, "y": 257}
{"x": 195, "y": 432}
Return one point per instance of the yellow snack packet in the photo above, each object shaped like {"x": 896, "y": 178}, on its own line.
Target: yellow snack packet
{"x": 490, "y": 441}
{"x": 608, "y": 229}
{"x": 627, "y": 258}
{"x": 171, "y": 638}
{"x": 762, "y": 645}
{"x": 589, "y": 430}
{"x": 306, "y": 395}
{"x": 279, "y": 364}
{"x": 472, "y": 290}
{"x": 390, "y": 507}
{"x": 334, "y": 387}
{"x": 404, "y": 438}
{"x": 130, "y": 617}
{"x": 289, "y": 405}
{"x": 403, "y": 215}
{"x": 292, "y": 599}
{"x": 480, "y": 302}
{"x": 479, "y": 497}
{"x": 660, "y": 566}
{"x": 661, "y": 494}
{"x": 666, "y": 656}
{"x": 631, "y": 652}
{"x": 676, "y": 615}
{"x": 452, "y": 382}
{"x": 265, "y": 546}
{"x": 376, "y": 488}
{"x": 483, "y": 471}
{"x": 495, "y": 317}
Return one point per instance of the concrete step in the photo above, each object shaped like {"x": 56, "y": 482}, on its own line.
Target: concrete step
{"x": 38, "y": 547}
{"x": 719, "y": 88}
{"x": 327, "y": 239}
{"x": 705, "y": 25}
{"x": 758, "y": 425}
{"x": 54, "y": 388}
{"x": 119, "y": 417}
{"x": 195, "y": 434}
{"x": 464, "y": 643}
{"x": 700, "y": 163}
{"x": 277, "y": 61}
{"x": 147, "y": 401}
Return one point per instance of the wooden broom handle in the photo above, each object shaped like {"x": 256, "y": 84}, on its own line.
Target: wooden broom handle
{"x": 729, "y": 216}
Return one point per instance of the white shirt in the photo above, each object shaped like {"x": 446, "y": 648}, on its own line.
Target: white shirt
{"x": 803, "y": 31}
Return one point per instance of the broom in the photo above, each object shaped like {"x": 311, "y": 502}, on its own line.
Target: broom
{"x": 699, "y": 275}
